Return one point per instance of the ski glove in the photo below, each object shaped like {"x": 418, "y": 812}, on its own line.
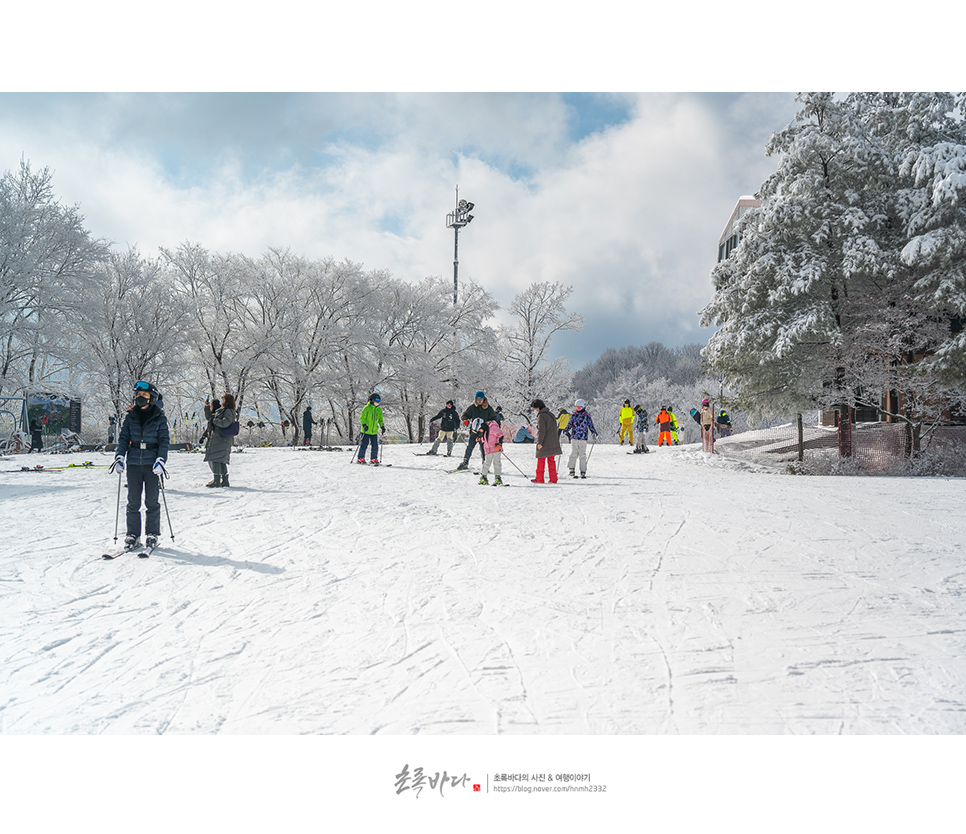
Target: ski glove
{"x": 118, "y": 465}
{"x": 382, "y": 429}
{"x": 159, "y": 469}
{"x": 365, "y": 429}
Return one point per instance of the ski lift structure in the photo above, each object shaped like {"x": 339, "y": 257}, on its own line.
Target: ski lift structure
{"x": 13, "y": 424}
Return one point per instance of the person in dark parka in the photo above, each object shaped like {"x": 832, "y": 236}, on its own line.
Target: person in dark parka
{"x": 218, "y": 449}
{"x": 307, "y": 423}
{"x": 476, "y": 416}
{"x": 36, "y": 435}
{"x": 142, "y": 450}
{"x": 548, "y": 443}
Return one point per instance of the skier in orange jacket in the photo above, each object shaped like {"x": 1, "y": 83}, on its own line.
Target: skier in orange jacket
{"x": 664, "y": 421}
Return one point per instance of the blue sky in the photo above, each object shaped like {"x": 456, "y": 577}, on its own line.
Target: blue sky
{"x": 623, "y": 196}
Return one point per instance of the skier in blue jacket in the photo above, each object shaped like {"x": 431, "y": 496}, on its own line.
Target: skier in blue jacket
{"x": 578, "y": 429}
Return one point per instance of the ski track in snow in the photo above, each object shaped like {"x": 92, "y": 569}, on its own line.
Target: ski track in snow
{"x": 667, "y": 593}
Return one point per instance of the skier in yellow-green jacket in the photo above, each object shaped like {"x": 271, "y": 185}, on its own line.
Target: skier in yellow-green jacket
{"x": 674, "y": 425}
{"x": 627, "y": 423}
{"x": 371, "y": 423}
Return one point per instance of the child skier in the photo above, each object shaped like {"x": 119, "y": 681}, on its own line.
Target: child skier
{"x": 491, "y": 438}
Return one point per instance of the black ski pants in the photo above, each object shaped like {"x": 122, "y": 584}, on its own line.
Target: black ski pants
{"x": 473, "y": 441}
{"x": 140, "y": 479}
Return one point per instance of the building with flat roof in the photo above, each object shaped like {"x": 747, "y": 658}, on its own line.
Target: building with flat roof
{"x": 729, "y": 237}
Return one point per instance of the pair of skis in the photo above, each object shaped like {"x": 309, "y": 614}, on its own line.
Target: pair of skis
{"x": 144, "y": 554}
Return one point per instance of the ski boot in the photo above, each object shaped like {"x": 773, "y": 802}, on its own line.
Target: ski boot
{"x": 150, "y": 541}
{"x": 374, "y": 462}
{"x": 583, "y": 475}
{"x": 462, "y": 466}
{"x": 498, "y": 481}
{"x": 484, "y": 480}
{"x": 362, "y": 461}
{"x": 131, "y": 541}
{"x": 573, "y": 474}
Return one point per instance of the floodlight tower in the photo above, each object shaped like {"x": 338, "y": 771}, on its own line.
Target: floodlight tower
{"x": 456, "y": 220}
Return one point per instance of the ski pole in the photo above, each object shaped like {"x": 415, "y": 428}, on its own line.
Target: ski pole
{"x": 591, "y": 449}
{"x": 518, "y": 469}
{"x": 165, "y": 500}
{"x": 117, "y": 512}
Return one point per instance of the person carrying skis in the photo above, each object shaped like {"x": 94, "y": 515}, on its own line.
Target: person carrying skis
{"x": 142, "y": 450}
{"x": 627, "y": 423}
{"x": 220, "y": 415}
{"x": 577, "y": 429}
{"x": 372, "y": 424}
{"x": 474, "y": 418}
{"x": 449, "y": 423}
{"x": 707, "y": 426}
{"x": 307, "y": 422}
{"x": 548, "y": 444}
{"x": 641, "y": 426}
{"x": 663, "y": 420}
{"x": 491, "y": 439}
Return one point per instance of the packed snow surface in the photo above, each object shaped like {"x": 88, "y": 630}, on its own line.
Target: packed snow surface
{"x": 668, "y": 593}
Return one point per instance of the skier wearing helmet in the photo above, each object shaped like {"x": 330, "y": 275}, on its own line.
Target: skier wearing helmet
{"x": 371, "y": 422}
{"x": 142, "y": 449}
{"x": 577, "y": 428}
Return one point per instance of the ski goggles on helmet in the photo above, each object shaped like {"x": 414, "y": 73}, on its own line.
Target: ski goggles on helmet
{"x": 142, "y": 386}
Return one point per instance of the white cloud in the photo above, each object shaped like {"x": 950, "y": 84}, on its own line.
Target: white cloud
{"x": 630, "y": 215}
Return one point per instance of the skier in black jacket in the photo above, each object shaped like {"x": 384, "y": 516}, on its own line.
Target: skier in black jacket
{"x": 142, "y": 449}
{"x": 449, "y": 423}
{"x": 475, "y": 418}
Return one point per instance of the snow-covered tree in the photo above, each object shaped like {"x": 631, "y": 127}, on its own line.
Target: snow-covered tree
{"x": 682, "y": 365}
{"x": 46, "y": 258}
{"x": 540, "y": 313}
{"x": 848, "y": 272}
{"x": 215, "y": 291}
{"x": 421, "y": 345}
{"x": 129, "y": 326}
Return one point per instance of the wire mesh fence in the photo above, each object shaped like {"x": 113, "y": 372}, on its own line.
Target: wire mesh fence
{"x": 874, "y": 447}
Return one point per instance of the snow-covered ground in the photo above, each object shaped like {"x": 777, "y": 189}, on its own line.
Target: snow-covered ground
{"x": 669, "y": 593}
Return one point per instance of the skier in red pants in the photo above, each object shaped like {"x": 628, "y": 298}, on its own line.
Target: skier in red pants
{"x": 548, "y": 442}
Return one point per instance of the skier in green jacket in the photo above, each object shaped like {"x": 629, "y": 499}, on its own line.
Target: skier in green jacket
{"x": 372, "y": 424}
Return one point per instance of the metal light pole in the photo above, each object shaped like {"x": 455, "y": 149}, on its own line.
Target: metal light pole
{"x": 456, "y": 220}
